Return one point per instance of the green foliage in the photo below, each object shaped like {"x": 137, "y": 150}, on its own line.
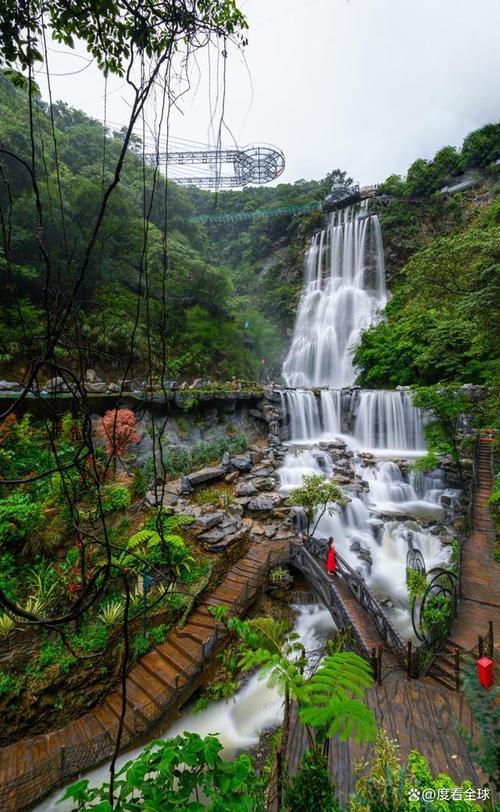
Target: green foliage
{"x": 114, "y": 497}
{"x": 310, "y": 789}
{"x": 382, "y": 790}
{"x": 19, "y": 516}
{"x": 481, "y": 147}
{"x": 10, "y": 685}
{"x": 436, "y": 615}
{"x": 441, "y": 323}
{"x": 111, "y": 612}
{"x": 416, "y": 584}
{"x": 389, "y": 785}
{"x": 445, "y": 406}
{"x": 184, "y": 768}
{"x": 330, "y": 702}
{"x": 485, "y": 707}
{"x": 419, "y": 777}
{"x": 317, "y": 496}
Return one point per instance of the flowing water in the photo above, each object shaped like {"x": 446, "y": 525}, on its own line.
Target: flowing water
{"x": 389, "y": 508}
{"x": 238, "y": 722}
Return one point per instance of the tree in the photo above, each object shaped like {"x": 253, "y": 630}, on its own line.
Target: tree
{"x": 446, "y": 162}
{"x": 317, "y": 496}
{"x": 112, "y": 31}
{"x": 329, "y": 699}
{"x": 117, "y": 429}
{"x": 481, "y": 147}
{"x": 445, "y": 406}
{"x": 485, "y": 707}
{"x": 420, "y": 178}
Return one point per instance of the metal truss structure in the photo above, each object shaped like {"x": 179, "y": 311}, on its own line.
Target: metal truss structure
{"x": 259, "y": 163}
{"x": 341, "y": 195}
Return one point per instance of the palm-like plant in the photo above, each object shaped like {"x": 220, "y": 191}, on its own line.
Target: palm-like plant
{"x": 6, "y": 625}
{"x": 111, "y": 612}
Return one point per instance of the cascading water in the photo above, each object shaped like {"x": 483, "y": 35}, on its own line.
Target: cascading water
{"x": 388, "y": 420}
{"x": 344, "y": 291}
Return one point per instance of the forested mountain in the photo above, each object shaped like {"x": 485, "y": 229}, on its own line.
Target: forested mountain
{"x": 231, "y": 286}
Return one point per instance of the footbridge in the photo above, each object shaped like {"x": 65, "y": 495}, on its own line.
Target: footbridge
{"x": 351, "y": 605}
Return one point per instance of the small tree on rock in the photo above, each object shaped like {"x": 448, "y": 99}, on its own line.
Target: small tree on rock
{"x": 317, "y": 496}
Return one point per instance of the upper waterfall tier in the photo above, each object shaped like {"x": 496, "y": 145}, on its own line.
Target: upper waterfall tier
{"x": 344, "y": 290}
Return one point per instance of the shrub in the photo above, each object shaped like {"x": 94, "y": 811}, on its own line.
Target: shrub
{"x": 115, "y": 497}
{"x": 19, "y": 516}
{"x": 311, "y": 789}
{"x": 9, "y": 684}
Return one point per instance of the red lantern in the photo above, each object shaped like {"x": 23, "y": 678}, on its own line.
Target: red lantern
{"x": 485, "y": 671}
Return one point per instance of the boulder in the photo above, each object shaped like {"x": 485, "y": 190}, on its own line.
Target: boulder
{"x": 245, "y": 489}
{"x": 226, "y": 460}
{"x": 197, "y": 384}
{"x": 56, "y": 385}
{"x": 113, "y": 388}
{"x": 97, "y": 388}
{"x": 242, "y": 462}
{"x": 9, "y": 386}
{"x": 263, "y": 504}
{"x": 264, "y": 484}
{"x": 206, "y": 522}
{"x": 91, "y": 376}
{"x": 205, "y": 475}
{"x": 232, "y": 476}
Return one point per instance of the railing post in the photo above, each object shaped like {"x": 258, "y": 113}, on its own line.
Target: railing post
{"x": 379, "y": 665}
{"x": 490, "y": 639}
{"x": 480, "y": 645}
{"x": 409, "y": 659}
{"x": 457, "y": 668}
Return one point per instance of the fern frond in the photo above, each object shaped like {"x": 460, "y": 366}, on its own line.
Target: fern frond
{"x": 347, "y": 718}
{"x": 270, "y": 633}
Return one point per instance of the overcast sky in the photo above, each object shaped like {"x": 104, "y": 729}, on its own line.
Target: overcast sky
{"x": 364, "y": 85}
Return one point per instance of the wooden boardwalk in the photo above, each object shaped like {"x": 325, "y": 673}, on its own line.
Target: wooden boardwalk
{"x": 157, "y": 686}
{"x": 419, "y": 715}
{"x": 480, "y": 573}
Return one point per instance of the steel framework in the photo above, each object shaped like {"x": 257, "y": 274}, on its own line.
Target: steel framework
{"x": 259, "y": 163}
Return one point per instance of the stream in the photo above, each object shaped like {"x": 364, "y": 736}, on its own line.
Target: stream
{"x": 239, "y": 721}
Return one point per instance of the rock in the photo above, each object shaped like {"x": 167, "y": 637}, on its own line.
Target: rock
{"x": 56, "y": 385}
{"x": 265, "y": 484}
{"x": 256, "y": 455}
{"x": 341, "y": 479}
{"x": 91, "y": 376}
{"x": 113, "y": 388}
{"x": 184, "y": 385}
{"x": 261, "y": 504}
{"x": 242, "y": 463}
{"x": 197, "y": 384}
{"x": 270, "y": 530}
{"x": 97, "y": 388}
{"x": 245, "y": 489}
{"x": 170, "y": 385}
{"x": 205, "y": 475}
{"x": 209, "y": 520}
{"x": 262, "y": 471}
{"x": 185, "y": 486}
{"x": 9, "y": 386}
{"x": 226, "y": 460}
{"x": 232, "y": 476}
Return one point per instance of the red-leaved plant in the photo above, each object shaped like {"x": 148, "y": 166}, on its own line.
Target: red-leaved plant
{"x": 117, "y": 430}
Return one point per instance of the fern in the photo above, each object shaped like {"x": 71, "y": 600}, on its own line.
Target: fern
{"x": 148, "y": 537}
{"x": 328, "y": 700}
{"x": 270, "y": 632}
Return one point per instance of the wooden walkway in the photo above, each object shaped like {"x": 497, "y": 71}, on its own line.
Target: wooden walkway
{"x": 419, "y": 715}
{"x": 480, "y": 573}
{"x": 157, "y": 686}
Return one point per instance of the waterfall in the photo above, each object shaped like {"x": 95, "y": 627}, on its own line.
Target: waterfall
{"x": 344, "y": 290}
{"x": 388, "y": 420}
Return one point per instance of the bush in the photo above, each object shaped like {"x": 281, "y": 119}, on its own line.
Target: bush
{"x": 311, "y": 789}
{"x": 115, "y": 497}
{"x": 19, "y": 516}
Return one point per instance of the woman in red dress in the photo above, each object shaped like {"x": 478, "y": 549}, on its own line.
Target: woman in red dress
{"x": 331, "y": 559}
